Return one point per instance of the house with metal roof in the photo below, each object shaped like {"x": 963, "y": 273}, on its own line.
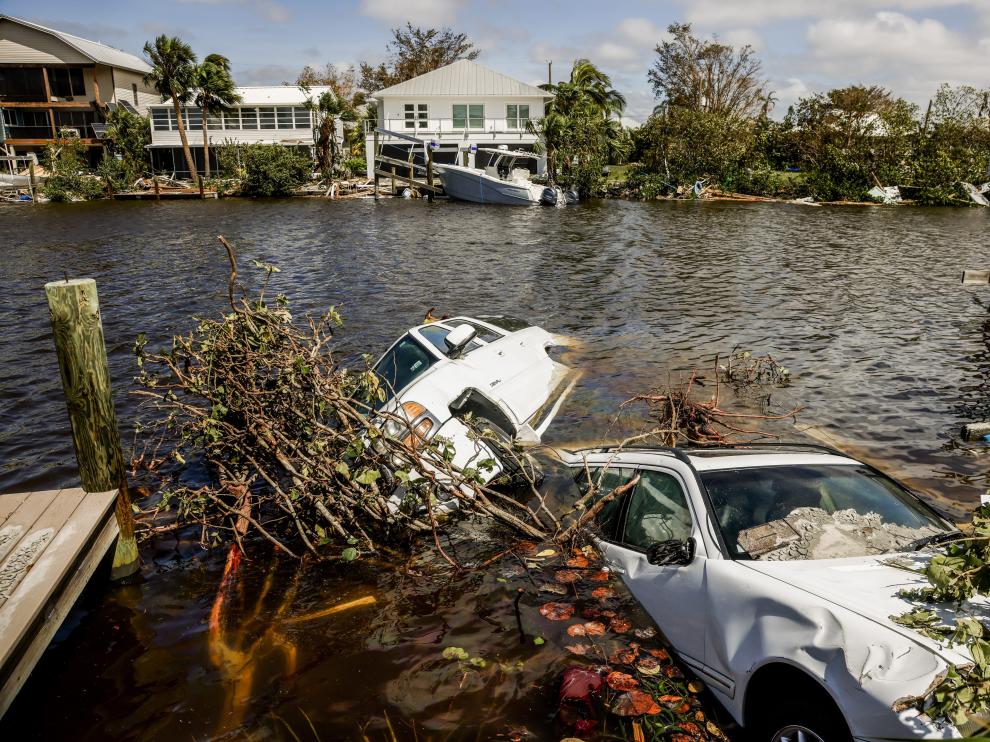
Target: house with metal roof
{"x": 274, "y": 114}
{"x": 52, "y": 81}
{"x": 456, "y": 109}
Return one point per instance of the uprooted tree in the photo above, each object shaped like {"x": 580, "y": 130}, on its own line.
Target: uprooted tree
{"x": 300, "y": 450}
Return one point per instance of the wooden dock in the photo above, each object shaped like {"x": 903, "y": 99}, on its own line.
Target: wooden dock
{"x": 50, "y": 545}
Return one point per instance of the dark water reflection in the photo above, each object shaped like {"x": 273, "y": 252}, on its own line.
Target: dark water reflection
{"x": 862, "y": 304}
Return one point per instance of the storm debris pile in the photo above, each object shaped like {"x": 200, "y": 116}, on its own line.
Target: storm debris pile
{"x": 293, "y": 447}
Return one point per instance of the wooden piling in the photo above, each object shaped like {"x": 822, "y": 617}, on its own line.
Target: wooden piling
{"x": 32, "y": 183}
{"x": 375, "y": 164}
{"x": 202, "y": 192}
{"x": 82, "y": 360}
{"x": 429, "y": 174}
{"x": 393, "y": 181}
{"x": 158, "y": 188}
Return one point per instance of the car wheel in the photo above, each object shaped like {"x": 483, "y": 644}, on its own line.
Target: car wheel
{"x": 813, "y": 719}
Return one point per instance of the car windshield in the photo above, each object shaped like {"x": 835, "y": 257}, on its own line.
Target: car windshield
{"x": 817, "y": 512}
{"x": 403, "y": 362}
{"x": 436, "y": 334}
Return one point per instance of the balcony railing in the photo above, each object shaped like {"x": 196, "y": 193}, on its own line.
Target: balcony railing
{"x": 449, "y": 127}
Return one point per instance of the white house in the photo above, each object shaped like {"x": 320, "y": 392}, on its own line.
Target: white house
{"x": 51, "y": 80}
{"x": 271, "y": 115}
{"x": 459, "y": 107}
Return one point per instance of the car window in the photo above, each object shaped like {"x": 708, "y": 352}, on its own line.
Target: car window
{"x": 658, "y": 511}
{"x": 436, "y": 334}
{"x": 509, "y": 324}
{"x": 816, "y": 512}
{"x": 404, "y": 361}
{"x": 485, "y": 333}
{"x": 607, "y": 520}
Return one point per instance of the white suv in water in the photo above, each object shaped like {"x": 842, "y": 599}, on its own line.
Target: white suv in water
{"x": 767, "y": 569}
{"x": 497, "y": 369}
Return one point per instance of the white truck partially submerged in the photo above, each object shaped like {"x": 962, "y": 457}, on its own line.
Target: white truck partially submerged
{"x": 497, "y": 370}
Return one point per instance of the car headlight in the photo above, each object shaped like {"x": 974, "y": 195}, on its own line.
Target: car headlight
{"x": 412, "y": 423}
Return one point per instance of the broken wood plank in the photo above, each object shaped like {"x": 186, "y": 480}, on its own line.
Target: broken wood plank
{"x": 975, "y": 277}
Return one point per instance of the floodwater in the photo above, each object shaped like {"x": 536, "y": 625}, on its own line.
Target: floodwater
{"x": 887, "y": 351}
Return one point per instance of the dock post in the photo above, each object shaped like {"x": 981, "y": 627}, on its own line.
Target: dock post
{"x": 82, "y": 360}
{"x": 374, "y": 164}
{"x": 202, "y": 191}
{"x": 429, "y": 174}
{"x": 32, "y": 183}
{"x": 158, "y": 192}
{"x": 393, "y": 180}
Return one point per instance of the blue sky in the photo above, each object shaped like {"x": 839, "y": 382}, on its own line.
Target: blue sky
{"x": 806, "y": 45}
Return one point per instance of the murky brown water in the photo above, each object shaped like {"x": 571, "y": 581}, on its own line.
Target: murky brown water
{"x": 864, "y": 306}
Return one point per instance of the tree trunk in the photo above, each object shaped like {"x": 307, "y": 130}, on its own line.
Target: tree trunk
{"x": 193, "y": 173}
{"x": 206, "y": 147}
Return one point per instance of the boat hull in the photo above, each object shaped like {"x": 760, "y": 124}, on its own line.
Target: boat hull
{"x": 469, "y": 184}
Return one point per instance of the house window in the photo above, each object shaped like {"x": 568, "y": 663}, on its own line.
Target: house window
{"x": 469, "y": 116}
{"x": 266, "y": 117}
{"x": 214, "y": 121}
{"x": 22, "y": 84}
{"x": 134, "y": 93}
{"x": 284, "y": 116}
{"x": 517, "y": 116}
{"x": 416, "y": 115}
{"x": 66, "y": 82}
{"x": 232, "y": 119}
{"x": 194, "y": 117}
{"x": 249, "y": 118}
{"x": 302, "y": 118}
{"x": 160, "y": 118}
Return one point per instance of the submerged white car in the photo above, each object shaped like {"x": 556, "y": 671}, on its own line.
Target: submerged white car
{"x": 766, "y": 568}
{"x": 497, "y": 369}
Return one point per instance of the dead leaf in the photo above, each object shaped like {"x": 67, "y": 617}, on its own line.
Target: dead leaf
{"x": 553, "y": 587}
{"x": 594, "y": 628}
{"x": 557, "y": 611}
{"x": 579, "y": 649}
{"x": 660, "y": 654}
{"x": 635, "y": 703}
{"x": 638, "y": 735}
{"x": 601, "y": 576}
{"x": 602, "y": 593}
{"x": 577, "y": 630}
{"x": 622, "y": 656}
{"x": 566, "y": 576}
{"x": 677, "y": 703}
{"x": 546, "y": 553}
{"x": 621, "y": 681}
{"x": 620, "y": 625}
{"x": 673, "y": 672}
{"x": 591, "y": 612}
{"x": 648, "y": 633}
{"x": 696, "y": 686}
{"x": 648, "y": 666}
{"x": 578, "y": 562}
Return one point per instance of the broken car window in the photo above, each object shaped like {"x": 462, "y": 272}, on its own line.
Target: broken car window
{"x": 816, "y": 512}
{"x": 658, "y": 511}
{"x": 436, "y": 334}
{"x": 607, "y": 520}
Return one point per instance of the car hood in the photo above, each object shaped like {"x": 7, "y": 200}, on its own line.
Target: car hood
{"x": 870, "y": 587}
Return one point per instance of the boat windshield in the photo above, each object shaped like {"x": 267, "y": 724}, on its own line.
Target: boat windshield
{"x": 818, "y": 512}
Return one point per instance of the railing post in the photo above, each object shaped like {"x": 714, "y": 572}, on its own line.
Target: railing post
{"x": 429, "y": 174}
{"x": 374, "y": 163}
{"x": 32, "y": 183}
{"x": 82, "y": 360}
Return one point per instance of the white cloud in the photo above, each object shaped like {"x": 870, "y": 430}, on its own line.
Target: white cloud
{"x": 910, "y": 55}
{"x": 708, "y": 14}
{"x": 431, "y": 12}
{"x": 742, "y": 37}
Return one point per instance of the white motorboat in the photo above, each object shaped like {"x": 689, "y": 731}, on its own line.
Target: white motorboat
{"x": 500, "y": 182}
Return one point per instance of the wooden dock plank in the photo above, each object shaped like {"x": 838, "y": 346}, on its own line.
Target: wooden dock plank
{"x": 80, "y": 526}
{"x": 19, "y": 523}
{"x": 10, "y": 503}
{"x": 34, "y": 542}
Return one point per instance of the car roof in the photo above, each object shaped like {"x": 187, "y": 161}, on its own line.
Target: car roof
{"x": 729, "y": 457}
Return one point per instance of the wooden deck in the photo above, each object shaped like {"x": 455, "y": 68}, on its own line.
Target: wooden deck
{"x": 50, "y": 545}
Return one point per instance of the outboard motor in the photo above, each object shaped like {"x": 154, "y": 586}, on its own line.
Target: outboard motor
{"x": 571, "y": 197}
{"x": 549, "y": 196}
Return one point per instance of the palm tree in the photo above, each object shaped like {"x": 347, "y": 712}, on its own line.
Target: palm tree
{"x": 172, "y": 72}
{"x": 328, "y": 108}
{"x": 588, "y": 87}
{"x": 552, "y": 130}
{"x": 215, "y": 93}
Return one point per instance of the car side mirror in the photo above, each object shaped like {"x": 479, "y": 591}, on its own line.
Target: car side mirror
{"x": 458, "y": 338}
{"x": 673, "y": 552}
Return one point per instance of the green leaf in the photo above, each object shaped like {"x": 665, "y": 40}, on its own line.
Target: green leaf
{"x": 368, "y": 477}
{"x": 343, "y": 469}
{"x": 349, "y": 554}
{"x": 539, "y": 641}
{"x": 454, "y": 653}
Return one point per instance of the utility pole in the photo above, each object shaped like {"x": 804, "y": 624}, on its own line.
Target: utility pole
{"x": 550, "y": 72}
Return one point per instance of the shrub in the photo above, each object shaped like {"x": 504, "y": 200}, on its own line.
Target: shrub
{"x": 68, "y": 179}
{"x": 273, "y": 170}
{"x": 356, "y": 166}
